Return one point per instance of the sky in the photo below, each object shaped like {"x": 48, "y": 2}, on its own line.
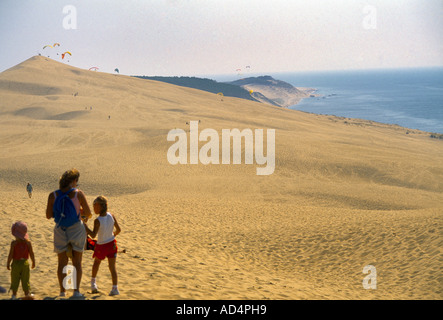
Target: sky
{"x": 208, "y": 37}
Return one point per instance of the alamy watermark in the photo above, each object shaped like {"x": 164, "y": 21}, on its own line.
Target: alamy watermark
{"x": 70, "y": 281}
{"x": 70, "y": 19}
{"x": 209, "y": 153}
{"x": 370, "y": 19}
{"x": 370, "y": 281}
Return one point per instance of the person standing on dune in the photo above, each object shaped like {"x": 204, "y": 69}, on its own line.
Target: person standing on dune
{"x": 29, "y": 189}
{"x": 106, "y": 246}
{"x": 19, "y": 253}
{"x": 69, "y": 236}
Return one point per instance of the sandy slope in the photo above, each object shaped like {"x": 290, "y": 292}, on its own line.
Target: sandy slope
{"x": 345, "y": 193}
{"x": 284, "y": 97}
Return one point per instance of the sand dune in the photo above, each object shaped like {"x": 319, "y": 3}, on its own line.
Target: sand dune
{"x": 345, "y": 193}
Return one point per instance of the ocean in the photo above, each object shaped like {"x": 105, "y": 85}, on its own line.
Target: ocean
{"x": 412, "y": 98}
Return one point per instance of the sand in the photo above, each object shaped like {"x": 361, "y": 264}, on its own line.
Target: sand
{"x": 346, "y": 193}
{"x": 280, "y": 96}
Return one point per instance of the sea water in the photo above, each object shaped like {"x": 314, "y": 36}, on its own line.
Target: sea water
{"x": 411, "y": 98}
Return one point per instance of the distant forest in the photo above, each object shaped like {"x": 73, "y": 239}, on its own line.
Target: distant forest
{"x": 228, "y": 90}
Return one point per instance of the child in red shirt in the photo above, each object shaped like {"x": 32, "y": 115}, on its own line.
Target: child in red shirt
{"x": 19, "y": 253}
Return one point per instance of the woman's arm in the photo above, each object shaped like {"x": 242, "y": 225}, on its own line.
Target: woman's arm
{"x": 84, "y": 204}
{"x": 49, "y": 212}
{"x": 93, "y": 233}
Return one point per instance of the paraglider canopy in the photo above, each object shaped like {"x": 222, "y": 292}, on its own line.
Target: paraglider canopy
{"x": 116, "y": 70}
{"x": 67, "y": 52}
{"x": 93, "y": 68}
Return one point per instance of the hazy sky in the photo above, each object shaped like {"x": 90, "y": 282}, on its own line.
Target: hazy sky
{"x": 204, "y": 37}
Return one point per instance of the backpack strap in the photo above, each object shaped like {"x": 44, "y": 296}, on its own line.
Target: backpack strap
{"x": 67, "y": 192}
{"x": 63, "y": 193}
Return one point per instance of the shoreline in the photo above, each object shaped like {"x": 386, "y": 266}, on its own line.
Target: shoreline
{"x": 364, "y": 121}
{"x": 408, "y": 98}
{"x": 282, "y": 97}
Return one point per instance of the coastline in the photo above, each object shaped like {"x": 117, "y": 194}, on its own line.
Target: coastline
{"x": 410, "y": 98}
{"x": 282, "y": 97}
{"x": 279, "y": 93}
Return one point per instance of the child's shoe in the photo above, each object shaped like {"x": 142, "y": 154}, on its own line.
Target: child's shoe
{"x": 94, "y": 288}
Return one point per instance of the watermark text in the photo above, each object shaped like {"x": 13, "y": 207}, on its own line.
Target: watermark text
{"x": 209, "y": 153}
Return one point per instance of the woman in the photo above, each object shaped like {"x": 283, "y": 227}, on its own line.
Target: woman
{"x": 71, "y": 237}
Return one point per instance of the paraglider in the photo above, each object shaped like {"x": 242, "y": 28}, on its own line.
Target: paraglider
{"x": 93, "y": 68}
{"x": 47, "y": 46}
{"x": 56, "y": 44}
{"x": 221, "y": 96}
{"x": 116, "y": 70}
{"x": 251, "y": 91}
{"x": 67, "y": 52}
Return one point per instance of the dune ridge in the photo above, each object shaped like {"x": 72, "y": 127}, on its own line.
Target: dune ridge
{"x": 345, "y": 193}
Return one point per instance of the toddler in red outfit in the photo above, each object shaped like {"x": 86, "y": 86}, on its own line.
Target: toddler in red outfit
{"x": 19, "y": 253}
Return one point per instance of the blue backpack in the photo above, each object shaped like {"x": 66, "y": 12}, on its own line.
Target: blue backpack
{"x": 65, "y": 214}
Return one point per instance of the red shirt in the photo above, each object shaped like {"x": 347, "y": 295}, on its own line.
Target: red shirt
{"x": 21, "y": 251}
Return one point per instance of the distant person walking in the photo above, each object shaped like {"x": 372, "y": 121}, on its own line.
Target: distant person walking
{"x": 69, "y": 230}
{"x": 29, "y": 189}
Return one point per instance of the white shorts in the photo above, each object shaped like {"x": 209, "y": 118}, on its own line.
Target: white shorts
{"x": 74, "y": 235}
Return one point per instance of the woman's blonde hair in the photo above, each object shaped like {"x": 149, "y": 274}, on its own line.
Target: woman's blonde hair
{"x": 68, "y": 177}
{"x": 103, "y": 202}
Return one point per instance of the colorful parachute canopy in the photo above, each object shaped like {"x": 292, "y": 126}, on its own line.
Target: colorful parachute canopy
{"x": 56, "y": 44}
{"x": 67, "y": 52}
{"x": 93, "y": 68}
{"x": 238, "y": 70}
{"x": 116, "y": 70}
{"x": 47, "y": 46}
{"x": 251, "y": 91}
{"x": 220, "y": 94}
